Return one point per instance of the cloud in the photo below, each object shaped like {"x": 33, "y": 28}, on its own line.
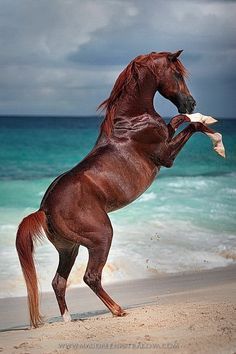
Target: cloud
{"x": 62, "y": 57}
{"x": 162, "y": 26}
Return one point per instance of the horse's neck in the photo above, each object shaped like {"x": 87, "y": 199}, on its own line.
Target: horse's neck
{"x": 135, "y": 108}
{"x": 132, "y": 105}
{"x": 137, "y": 100}
{"x": 136, "y": 112}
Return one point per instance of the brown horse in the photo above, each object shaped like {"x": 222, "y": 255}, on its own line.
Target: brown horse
{"x": 134, "y": 143}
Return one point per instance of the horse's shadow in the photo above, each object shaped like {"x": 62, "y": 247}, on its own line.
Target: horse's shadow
{"x": 75, "y": 317}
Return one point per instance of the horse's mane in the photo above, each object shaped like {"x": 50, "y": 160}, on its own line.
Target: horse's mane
{"x": 132, "y": 71}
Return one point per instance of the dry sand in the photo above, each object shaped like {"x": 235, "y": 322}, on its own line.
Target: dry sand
{"x": 188, "y": 313}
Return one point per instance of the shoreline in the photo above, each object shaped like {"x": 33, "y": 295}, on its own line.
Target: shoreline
{"x": 160, "y": 284}
{"x": 184, "y": 313}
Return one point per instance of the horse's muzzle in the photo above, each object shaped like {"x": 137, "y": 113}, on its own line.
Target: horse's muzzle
{"x": 186, "y": 104}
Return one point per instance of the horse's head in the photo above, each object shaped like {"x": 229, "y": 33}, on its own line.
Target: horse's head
{"x": 171, "y": 83}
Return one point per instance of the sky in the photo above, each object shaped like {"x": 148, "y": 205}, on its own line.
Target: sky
{"x": 61, "y": 57}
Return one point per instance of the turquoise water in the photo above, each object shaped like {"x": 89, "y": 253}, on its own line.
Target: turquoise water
{"x": 185, "y": 221}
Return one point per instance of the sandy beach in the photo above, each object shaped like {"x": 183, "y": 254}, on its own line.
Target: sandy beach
{"x": 183, "y": 313}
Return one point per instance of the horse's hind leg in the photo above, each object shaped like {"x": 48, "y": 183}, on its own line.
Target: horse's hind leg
{"x": 97, "y": 258}
{"x": 66, "y": 261}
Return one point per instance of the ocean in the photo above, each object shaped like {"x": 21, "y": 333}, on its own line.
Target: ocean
{"x": 186, "y": 221}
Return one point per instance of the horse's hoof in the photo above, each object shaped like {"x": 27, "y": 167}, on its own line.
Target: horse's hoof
{"x": 217, "y": 143}
{"x": 66, "y": 317}
{"x": 120, "y": 314}
{"x": 209, "y": 120}
{"x": 220, "y": 150}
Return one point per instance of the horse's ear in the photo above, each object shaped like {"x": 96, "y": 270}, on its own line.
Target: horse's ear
{"x": 174, "y": 56}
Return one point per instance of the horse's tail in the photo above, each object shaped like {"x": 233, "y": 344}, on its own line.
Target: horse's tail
{"x": 30, "y": 229}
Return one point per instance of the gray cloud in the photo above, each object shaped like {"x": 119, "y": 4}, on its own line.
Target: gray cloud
{"x": 62, "y": 57}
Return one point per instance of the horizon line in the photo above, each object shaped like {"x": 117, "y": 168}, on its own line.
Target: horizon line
{"x": 74, "y": 116}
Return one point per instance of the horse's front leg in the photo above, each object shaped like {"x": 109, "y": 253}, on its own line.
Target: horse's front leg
{"x": 175, "y": 123}
{"x": 188, "y": 118}
{"x": 178, "y": 142}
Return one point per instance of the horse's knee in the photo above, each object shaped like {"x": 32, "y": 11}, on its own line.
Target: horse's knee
{"x": 178, "y": 120}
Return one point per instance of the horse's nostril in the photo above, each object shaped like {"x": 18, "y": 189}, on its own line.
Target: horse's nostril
{"x": 192, "y": 102}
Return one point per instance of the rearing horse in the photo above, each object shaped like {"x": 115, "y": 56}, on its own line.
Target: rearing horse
{"x": 134, "y": 143}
